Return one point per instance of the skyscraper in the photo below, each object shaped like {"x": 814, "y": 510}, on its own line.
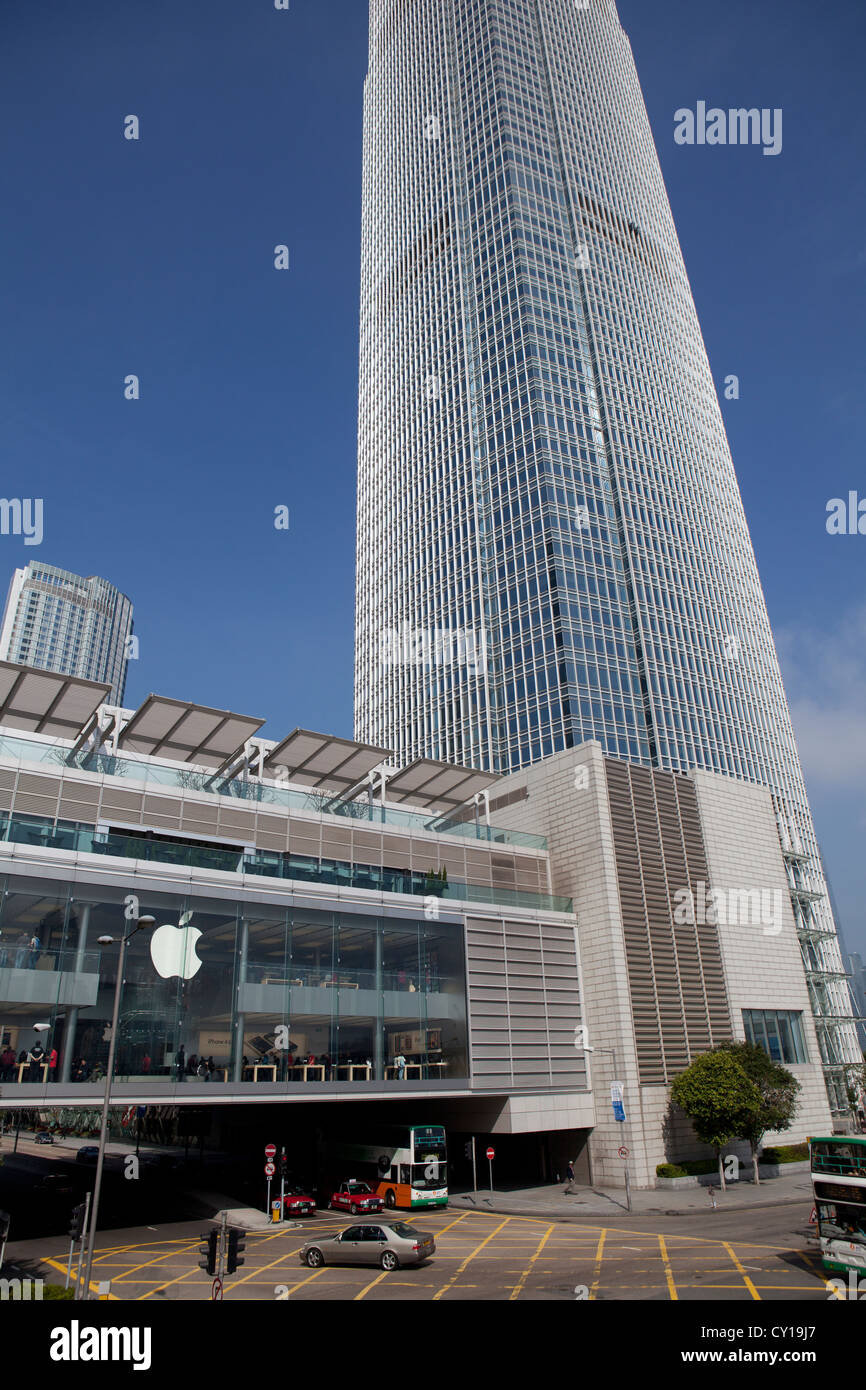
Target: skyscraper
{"x": 544, "y": 474}
{"x": 858, "y": 991}
{"x": 62, "y": 622}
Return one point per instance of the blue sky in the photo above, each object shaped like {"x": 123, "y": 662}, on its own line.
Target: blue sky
{"x": 155, "y": 257}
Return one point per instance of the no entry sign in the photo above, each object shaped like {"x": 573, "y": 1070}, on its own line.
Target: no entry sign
{"x": 270, "y": 1151}
{"x": 491, "y": 1153}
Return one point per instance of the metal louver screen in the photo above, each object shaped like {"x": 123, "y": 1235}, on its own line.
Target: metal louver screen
{"x": 679, "y": 1001}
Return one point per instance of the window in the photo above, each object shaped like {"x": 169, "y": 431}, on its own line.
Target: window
{"x": 780, "y": 1034}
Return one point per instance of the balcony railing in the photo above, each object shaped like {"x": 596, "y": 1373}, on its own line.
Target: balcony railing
{"x": 287, "y": 798}
{"x": 70, "y": 835}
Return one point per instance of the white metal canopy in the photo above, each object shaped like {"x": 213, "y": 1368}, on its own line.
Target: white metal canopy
{"x": 318, "y": 760}
{"x": 437, "y": 786}
{"x": 47, "y": 702}
{"x": 185, "y": 732}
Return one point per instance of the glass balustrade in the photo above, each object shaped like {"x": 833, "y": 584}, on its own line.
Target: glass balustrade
{"x": 83, "y": 838}
{"x": 288, "y": 798}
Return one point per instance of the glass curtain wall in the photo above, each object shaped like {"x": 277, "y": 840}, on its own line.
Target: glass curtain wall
{"x": 225, "y": 991}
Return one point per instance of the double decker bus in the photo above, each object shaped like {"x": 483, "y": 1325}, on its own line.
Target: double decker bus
{"x": 406, "y": 1165}
{"x": 839, "y": 1183}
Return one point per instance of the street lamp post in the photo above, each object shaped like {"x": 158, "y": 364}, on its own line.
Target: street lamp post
{"x": 611, "y": 1052}
{"x": 143, "y": 923}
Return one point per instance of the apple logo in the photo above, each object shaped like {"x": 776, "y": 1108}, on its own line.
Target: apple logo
{"x": 172, "y": 950}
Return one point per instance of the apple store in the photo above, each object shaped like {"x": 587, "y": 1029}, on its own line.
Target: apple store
{"x": 226, "y": 992}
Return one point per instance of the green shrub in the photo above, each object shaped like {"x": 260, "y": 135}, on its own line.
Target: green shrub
{"x": 670, "y": 1170}
{"x": 696, "y": 1167}
{"x": 785, "y": 1153}
{"x": 57, "y": 1291}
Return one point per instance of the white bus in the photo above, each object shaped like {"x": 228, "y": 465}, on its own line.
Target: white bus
{"x": 406, "y": 1165}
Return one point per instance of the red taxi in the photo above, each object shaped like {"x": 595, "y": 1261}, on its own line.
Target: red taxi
{"x": 298, "y": 1202}
{"x": 356, "y": 1197}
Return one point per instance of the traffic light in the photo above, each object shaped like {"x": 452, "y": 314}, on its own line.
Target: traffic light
{"x": 236, "y": 1246}
{"x": 468, "y": 1149}
{"x": 76, "y": 1222}
{"x": 209, "y": 1250}
{"x": 284, "y": 1164}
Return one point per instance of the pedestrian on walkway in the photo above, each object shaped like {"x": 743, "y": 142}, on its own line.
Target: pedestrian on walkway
{"x": 35, "y": 948}
{"x": 52, "y": 1064}
{"x": 569, "y": 1172}
{"x": 36, "y": 1058}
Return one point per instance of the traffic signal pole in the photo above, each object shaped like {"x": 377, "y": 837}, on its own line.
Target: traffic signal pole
{"x": 81, "y": 1245}
{"x": 5, "y": 1223}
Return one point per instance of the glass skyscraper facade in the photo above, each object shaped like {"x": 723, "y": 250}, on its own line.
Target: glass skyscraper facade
{"x": 59, "y": 621}
{"x": 544, "y": 474}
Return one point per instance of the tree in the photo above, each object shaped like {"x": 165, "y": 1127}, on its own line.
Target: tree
{"x": 719, "y": 1099}
{"x": 778, "y": 1091}
{"x": 435, "y": 882}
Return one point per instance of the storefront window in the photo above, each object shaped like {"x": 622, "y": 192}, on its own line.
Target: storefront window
{"x": 223, "y": 991}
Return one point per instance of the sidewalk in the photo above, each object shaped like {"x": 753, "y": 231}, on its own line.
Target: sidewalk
{"x": 563, "y": 1202}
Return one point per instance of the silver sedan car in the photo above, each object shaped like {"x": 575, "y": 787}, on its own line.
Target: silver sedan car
{"x": 390, "y": 1246}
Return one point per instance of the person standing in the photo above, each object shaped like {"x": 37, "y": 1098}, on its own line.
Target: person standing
{"x": 7, "y": 1063}
{"x": 35, "y": 947}
{"x": 146, "y": 1063}
{"x": 52, "y": 1064}
{"x": 180, "y": 1062}
{"x": 36, "y": 1058}
{"x": 400, "y": 1066}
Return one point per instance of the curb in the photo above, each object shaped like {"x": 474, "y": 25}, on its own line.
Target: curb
{"x": 596, "y": 1215}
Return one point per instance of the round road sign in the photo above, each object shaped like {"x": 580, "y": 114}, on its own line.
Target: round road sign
{"x": 270, "y": 1151}
{"x": 216, "y": 1291}
{"x": 270, "y": 1169}
{"x": 623, "y": 1151}
{"x": 490, "y": 1153}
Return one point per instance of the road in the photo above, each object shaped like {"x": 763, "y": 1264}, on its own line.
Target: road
{"x": 759, "y": 1255}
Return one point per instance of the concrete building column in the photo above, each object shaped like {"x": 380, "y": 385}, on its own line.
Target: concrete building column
{"x": 72, "y": 1015}
{"x": 379, "y": 1026}
{"x": 239, "y": 1023}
